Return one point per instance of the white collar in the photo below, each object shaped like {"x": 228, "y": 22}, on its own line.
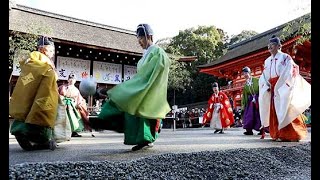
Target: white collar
{"x": 249, "y": 81}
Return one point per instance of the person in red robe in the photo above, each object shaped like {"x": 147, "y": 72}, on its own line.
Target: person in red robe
{"x": 219, "y": 112}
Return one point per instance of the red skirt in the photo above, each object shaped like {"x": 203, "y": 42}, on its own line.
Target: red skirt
{"x": 294, "y": 131}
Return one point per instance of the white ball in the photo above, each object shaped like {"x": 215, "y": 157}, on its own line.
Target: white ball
{"x": 88, "y": 86}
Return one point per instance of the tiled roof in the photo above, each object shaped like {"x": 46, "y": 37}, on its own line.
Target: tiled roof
{"x": 255, "y": 43}
{"x": 73, "y": 30}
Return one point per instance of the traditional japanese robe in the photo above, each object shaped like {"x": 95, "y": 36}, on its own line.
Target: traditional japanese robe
{"x": 73, "y": 100}
{"x": 284, "y": 95}
{"x": 250, "y": 105}
{"x": 34, "y": 100}
{"x": 219, "y": 112}
{"x": 137, "y": 106}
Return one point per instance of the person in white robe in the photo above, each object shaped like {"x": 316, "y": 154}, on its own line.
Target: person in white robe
{"x": 283, "y": 95}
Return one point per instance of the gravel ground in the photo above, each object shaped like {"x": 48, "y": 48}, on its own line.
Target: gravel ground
{"x": 285, "y": 163}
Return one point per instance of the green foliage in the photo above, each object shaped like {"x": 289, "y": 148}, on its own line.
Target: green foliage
{"x": 18, "y": 42}
{"x": 198, "y": 91}
{"x": 163, "y": 43}
{"x": 298, "y": 27}
{"x": 179, "y": 76}
{"x": 203, "y": 42}
{"x": 186, "y": 84}
{"x": 25, "y": 42}
{"x": 245, "y": 34}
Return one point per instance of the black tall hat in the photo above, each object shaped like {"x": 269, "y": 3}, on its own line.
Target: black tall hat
{"x": 215, "y": 84}
{"x": 144, "y": 30}
{"x": 275, "y": 40}
{"x": 45, "y": 40}
{"x": 72, "y": 76}
{"x": 246, "y": 69}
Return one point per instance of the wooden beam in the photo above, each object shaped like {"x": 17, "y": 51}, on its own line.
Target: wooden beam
{"x": 96, "y": 47}
{"x": 187, "y": 59}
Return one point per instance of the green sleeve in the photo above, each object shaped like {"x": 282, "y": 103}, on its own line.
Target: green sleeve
{"x": 244, "y": 99}
{"x": 256, "y": 85}
{"x": 145, "y": 94}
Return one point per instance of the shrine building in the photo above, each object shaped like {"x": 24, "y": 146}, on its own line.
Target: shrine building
{"x": 253, "y": 52}
{"x": 107, "y": 53}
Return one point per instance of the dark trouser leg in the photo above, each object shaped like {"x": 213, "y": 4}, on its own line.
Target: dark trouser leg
{"x": 32, "y": 137}
{"x": 262, "y": 133}
{"x": 248, "y": 132}
{"x": 110, "y": 118}
{"x": 140, "y": 130}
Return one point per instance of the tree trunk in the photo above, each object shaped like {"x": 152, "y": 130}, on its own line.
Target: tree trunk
{"x": 174, "y": 97}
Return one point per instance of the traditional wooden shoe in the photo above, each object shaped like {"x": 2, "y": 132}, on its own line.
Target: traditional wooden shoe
{"x": 52, "y": 145}
{"x": 216, "y": 131}
{"x": 140, "y": 146}
{"x": 74, "y": 134}
{"x": 248, "y": 133}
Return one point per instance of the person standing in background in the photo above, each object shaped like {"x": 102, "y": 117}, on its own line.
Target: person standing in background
{"x": 283, "y": 95}
{"x": 219, "y": 112}
{"x": 75, "y": 103}
{"x": 250, "y": 105}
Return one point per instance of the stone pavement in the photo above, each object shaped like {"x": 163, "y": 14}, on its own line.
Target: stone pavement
{"x": 108, "y": 145}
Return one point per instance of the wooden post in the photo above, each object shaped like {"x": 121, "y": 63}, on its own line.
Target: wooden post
{"x": 10, "y": 77}
{"x": 174, "y": 122}
{"x": 90, "y": 102}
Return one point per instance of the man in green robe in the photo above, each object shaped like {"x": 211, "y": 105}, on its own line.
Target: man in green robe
{"x": 34, "y": 101}
{"x": 137, "y": 106}
{"x": 250, "y": 104}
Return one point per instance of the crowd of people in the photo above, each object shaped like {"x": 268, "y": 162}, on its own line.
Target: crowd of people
{"x": 193, "y": 118}
{"x": 136, "y": 107}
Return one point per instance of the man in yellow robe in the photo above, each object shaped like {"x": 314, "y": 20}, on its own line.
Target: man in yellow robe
{"x": 34, "y": 100}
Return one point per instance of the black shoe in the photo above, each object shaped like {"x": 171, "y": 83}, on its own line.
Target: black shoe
{"x": 221, "y": 132}
{"x": 74, "y": 134}
{"x": 140, "y": 146}
{"x": 52, "y": 145}
{"x": 260, "y": 133}
{"x": 48, "y": 145}
{"x": 24, "y": 143}
{"x": 216, "y": 131}
{"x": 248, "y": 133}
